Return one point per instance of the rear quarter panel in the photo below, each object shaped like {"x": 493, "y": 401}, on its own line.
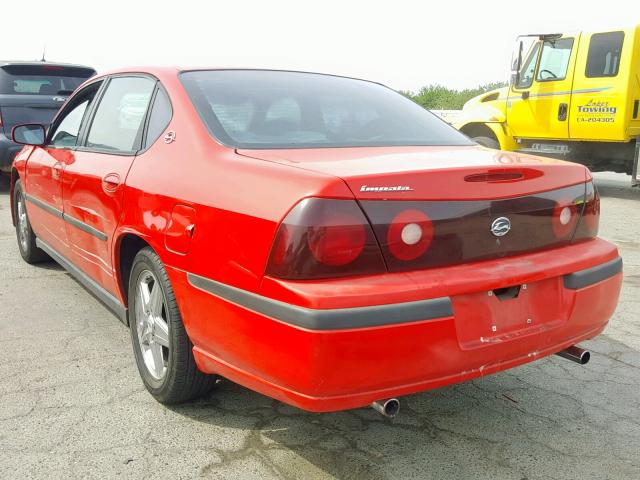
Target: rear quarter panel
{"x": 238, "y": 201}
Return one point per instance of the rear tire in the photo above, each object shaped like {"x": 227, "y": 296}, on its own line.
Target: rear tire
{"x": 24, "y": 233}
{"x": 487, "y": 142}
{"x": 161, "y": 346}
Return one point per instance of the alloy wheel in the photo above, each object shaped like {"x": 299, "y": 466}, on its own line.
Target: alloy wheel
{"x": 151, "y": 322}
{"x": 23, "y": 224}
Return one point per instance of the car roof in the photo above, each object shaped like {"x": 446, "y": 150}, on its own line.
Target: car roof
{"x": 158, "y": 71}
{"x": 26, "y": 63}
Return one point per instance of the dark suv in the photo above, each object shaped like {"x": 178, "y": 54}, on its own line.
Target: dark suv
{"x": 32, "y": 92}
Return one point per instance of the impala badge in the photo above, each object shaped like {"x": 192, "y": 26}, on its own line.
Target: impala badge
{"x": 394, "y": 188}
{"x": 501, "y": 226}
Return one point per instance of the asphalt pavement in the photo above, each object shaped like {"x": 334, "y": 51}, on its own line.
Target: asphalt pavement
{"x": 72, "y": 404}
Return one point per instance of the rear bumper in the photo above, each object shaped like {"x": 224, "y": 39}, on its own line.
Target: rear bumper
{"x": 8, "y": 150}
{"x": 350, "y": 354}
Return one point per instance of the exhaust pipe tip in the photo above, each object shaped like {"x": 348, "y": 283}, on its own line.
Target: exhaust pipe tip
{"x": 575, "y": 354}
{"x": 387, "y": 408}
{"x": 585, "y": 357}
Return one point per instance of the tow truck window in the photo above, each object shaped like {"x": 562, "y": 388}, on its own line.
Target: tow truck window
{"x": 554, "y": 60}
{"x": 603, "y": 59}
{"x": 525, "y": 78}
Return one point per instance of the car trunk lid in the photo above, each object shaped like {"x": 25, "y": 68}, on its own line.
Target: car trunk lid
{"x": 431, "y": 173}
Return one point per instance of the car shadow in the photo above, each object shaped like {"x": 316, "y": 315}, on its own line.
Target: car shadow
{"x": 616, "y": 186}
{"x": 492, "y": 424}
{"x": 4, "y": 184}
{"x": 51, "y": 265}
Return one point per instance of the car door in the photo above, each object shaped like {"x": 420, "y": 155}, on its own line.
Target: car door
{"x": 93, "y": 183}
{"x": 538, "y": 105}
{"x": 44, "y": 170}
{"x": 603, "y": 102}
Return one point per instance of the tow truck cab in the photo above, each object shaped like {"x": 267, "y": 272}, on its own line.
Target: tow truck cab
{"x": 573, "y": 96}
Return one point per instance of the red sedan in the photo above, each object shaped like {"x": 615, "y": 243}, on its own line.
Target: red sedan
{"x": 319, "y": 239}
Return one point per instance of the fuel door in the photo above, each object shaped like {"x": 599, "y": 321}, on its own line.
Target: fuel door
{"x": 181, "y": 229}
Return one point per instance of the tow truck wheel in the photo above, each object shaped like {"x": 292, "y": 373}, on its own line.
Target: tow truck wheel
{"x": 487, "y": 142}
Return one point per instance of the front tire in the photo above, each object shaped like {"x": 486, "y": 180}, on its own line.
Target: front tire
{"x": 162, "y": 349}
{"x": 24, "y": 233}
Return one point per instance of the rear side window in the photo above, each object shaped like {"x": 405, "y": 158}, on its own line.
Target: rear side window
{"x": 118, "y": 121}
{"x": 554, "y": 60}
{"x": 605, "y": 50}
{"x": 41, "y": 79}
{"x": 160, "y": 117}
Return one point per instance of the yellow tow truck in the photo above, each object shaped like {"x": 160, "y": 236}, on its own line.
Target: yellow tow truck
{"x": 570, "y": 96}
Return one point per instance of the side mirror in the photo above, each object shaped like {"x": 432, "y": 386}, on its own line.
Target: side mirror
{"x": 28, "y": 134}
{"x": 516, "y": 63}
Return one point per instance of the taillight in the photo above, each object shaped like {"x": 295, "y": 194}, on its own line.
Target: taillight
{"x": 0, "y": 118}
{"x": 590, "y": 219}
{"x": 565, "y": 218}
{"x": 324, "y": 238}
{"x": 409, "y": 234}
{"x": 419, "y": 234}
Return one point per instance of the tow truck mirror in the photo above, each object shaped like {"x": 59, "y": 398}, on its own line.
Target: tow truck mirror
{"x": 516, "y": 63}
{"x": 28, "y": 134}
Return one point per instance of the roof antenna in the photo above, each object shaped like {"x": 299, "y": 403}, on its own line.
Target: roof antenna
{"x": 44, "y": 50}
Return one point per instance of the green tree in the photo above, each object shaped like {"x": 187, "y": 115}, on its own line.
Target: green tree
{"x": 438, "y": 97}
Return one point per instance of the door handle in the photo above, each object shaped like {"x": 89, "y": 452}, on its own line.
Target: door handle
{"x": 111, "y": 183}
{"x": 562, "y": 112}
{"x": 56, "y": 171}
{"x": 525, "y": 95}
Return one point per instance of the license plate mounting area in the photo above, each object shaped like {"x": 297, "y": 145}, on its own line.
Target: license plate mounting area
{"x": 506, "y": 313}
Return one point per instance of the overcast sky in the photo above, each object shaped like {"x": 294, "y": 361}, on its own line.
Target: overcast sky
{"x": 404, "y": 44}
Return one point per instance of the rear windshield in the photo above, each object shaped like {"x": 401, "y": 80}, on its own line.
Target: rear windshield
{"x": 274, "y": 109}
{"x": 41, "y": 79}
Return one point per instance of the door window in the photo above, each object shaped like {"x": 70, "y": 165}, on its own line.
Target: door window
{"x": 525, "y": 76}
{"x": 118, "y": 121}
{"x": 603, "y": 59}
{"x": 554, "y": 60}
{"x": 64, "y": 134}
